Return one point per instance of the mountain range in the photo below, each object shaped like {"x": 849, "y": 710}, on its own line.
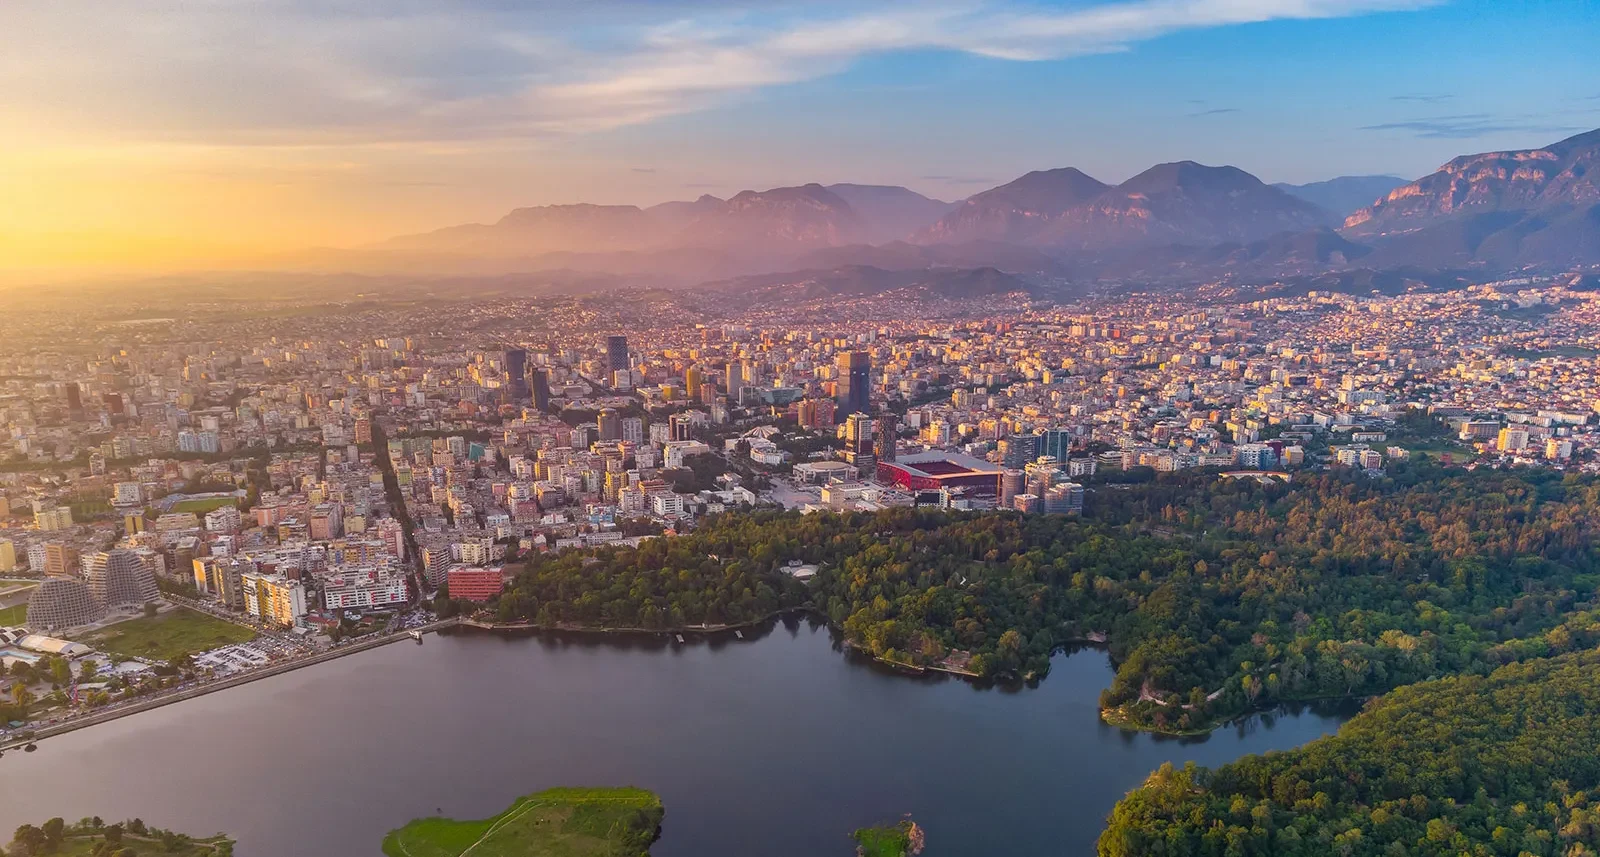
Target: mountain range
{"x": 1174, "y": 221}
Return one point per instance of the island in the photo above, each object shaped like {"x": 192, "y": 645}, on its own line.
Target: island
{"x": 562, "y": 822}
{"x": 902, "y": 839}
{"x": 92, "y": 837}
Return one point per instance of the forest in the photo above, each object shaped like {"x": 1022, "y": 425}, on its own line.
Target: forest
{"x": 1502, "y": 764}
{"x": 1216, "y": 596}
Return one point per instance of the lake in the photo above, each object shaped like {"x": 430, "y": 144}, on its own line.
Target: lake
{"x": 778, "y": 745}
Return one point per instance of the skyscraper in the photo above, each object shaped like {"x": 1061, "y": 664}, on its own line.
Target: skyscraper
{"x": 541, "y": 390}
{"x": 855, "y": 367}
{"x": 886, "y": 431}
{"x": 733, "y": 379}
{"x": 516, "y": 363}
{"x": 616, "y": 354}
{"x": 691, "y": 382}
{"x": 609, "y": 424}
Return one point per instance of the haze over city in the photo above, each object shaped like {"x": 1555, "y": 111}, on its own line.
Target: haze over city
{"x": 156, "y": 136}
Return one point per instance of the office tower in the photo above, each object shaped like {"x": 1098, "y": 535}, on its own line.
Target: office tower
{"x": 616, "y": 354}
{"x": 609, "y": 425}
{"x": 691, "y": 382}
{"x": 1018, "y": 451}
{"x": 1056, "y": 443}
{"x": 541, "y": 390}
{"x": 118, "y": 577}
{"x": 886, "y": 431}
{"x": 516, "y": 362}
{"x": 733, "y": 379}
{"x": 852, "y": 391}
{"x": 1011, "y": 484}
{"x": 858, "y": 434}
{"x": 74, "y": 398}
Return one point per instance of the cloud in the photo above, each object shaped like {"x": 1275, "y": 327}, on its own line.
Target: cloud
{"x": 346, "y": 72}
{"x": 1467, "y": 126}
{"x": 1215, "y": 111}
{"x": 1421, "y": 99}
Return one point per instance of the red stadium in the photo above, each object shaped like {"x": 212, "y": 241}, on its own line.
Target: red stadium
{"x": 935, "y": 470}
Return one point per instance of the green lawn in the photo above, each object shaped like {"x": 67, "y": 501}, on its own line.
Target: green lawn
{"x": 177, "y": 632}
{"x": 13, "y": 617}
{"x": 202, "y": 506}
{"x": 555, "y": 823}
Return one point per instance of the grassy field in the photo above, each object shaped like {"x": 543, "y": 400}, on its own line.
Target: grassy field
{"x": 202, "y": 506}
{"x": 554, "y": 823}
{"x": 12, "y": 617}
{"x": 164, "y": 637}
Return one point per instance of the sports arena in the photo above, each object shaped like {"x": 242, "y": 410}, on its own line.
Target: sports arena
{"x": 935, "y": 470}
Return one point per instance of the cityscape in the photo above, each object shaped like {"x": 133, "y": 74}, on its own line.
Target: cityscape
{"x": 516, "y": 431}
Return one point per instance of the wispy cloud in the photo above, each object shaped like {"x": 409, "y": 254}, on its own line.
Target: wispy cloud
{"x": 1422, "y": 99}
{"x": 1470, "y": 125}
{"x": 344, "y": 72}
{"x": 1215, "y": 111}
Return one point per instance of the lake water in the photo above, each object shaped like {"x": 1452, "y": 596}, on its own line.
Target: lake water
{"x": 776, "y": 746}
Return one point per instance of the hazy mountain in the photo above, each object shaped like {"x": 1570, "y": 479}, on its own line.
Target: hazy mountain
{"x": 903, "y": 256}
{"x": 866, "y": 281}
{"x": 1532, "y": 206}
{"x": 544, "y": 229}
{"x": 1344, "y": 194}
{"x": 1016, "y": 212}
{"x": 1181, "y": 203}
{"x": 1170, "y": 222}
{"x": 890, "y": 213}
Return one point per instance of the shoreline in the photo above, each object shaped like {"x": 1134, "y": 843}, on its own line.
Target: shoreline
{"x": 268, "y": 671}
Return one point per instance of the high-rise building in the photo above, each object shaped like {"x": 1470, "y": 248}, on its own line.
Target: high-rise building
{"x": 1018, "y": 451}
{"x": 609, "y": 425}
{"x": 691, "y": 382}
{"x": 853, "y": 393}
{"x": 858, "y": 434}
{"x": 8, "y": 555}
{"x": 541, "y": 390}
{"x": 886, "y": 433}
{"x": 1011, "y": 484}
{"x": 118, "y": 577}
{"x": 733, "y": 379}
{"x": 1056, "y": 443}
{"x": 62, "y": 602}
{"x": 59, "y": 560}
{"x": 616, "y": 354}
{"x": 516, "y": 363}
{"x": 274, "y": 599}
{"x": 74, "y": 398}
{"x": 815, "y": 413}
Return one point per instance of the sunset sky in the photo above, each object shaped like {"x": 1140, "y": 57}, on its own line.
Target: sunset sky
{"x": 149, "y": 135}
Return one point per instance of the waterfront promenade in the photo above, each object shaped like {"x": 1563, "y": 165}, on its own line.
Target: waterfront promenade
{"x": 200, "y": 689}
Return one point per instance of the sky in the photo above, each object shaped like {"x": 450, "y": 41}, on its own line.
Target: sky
{"x": 169, "y": 134}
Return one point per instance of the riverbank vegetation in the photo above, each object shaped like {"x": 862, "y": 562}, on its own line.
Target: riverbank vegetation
{"x": 904, "y": 839}
{"x": 92, "y": 837}
{"x": 620, "y": 822}
{"x": 1216, "y": 596}
{"x": 1502, "y": 764}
